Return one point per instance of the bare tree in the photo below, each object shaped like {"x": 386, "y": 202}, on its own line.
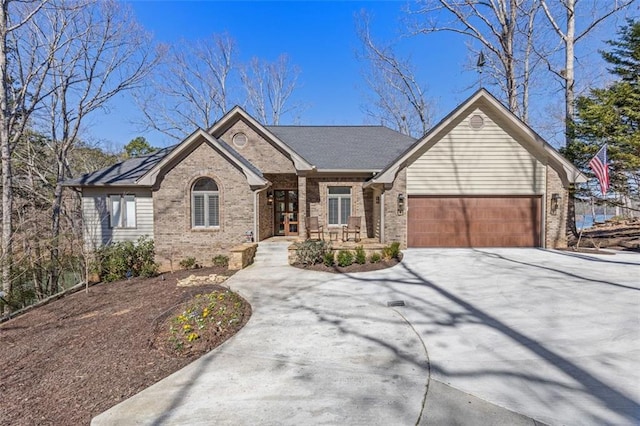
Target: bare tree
{"x": 562, "y": 17}
{"x": 505, "y": 31}
{"x": 13, "y": 115}
{"x": 191, "y": 86}
{"x": 269, "y": 87}
{"x": 107, "y": 54}
{"x": 399, "y": 99}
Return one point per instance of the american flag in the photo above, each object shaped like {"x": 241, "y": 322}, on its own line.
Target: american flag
{"x": 600, "y": 167}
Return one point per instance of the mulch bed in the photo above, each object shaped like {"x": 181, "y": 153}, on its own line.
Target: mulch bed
{"x": 66, "y": 362}
{"x": 366, "y": 267}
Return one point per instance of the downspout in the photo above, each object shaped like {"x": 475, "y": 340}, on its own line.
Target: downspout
{"x": 256, "y": 193}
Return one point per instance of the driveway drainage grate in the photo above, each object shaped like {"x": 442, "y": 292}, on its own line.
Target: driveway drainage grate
{"x": 393, "y": 303}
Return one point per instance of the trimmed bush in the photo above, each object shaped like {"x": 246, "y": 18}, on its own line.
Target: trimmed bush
{"x": 188, "y": 263}
{"x": 360, "y": 256}
{"x": 328, "y": 259}
{"x": 345, "y": 258}
{"x": 312, "y": 252}
{"x": 375, "y": 257}
{"x": 391, "y": 251}
{"x": 126, "y": 259}
{"x": 221, "y": 260}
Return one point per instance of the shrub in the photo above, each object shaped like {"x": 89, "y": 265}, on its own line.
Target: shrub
{"x": 126, "y": 259}
{"x": 312, "y": 252}
{"x": 345, "y": 258}
{"x": 328, "y": 258}
{"x": 360, "y": 255}
{"x": 188, "y": 263}
{"x": 375, "y": 257}
{"x": 221, "y": 260}
{"x": 391, "y": 251}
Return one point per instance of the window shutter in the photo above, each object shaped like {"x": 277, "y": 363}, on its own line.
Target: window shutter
{"x": 198, "y": 210}
{"x": 333, "y": 211}
{"x": 345, "y": 209}
{"x": 214, "y": 210}
{"x": 130, "y": 211}
{"x": 116, "y": 212}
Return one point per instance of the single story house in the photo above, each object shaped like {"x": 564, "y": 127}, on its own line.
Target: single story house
{"x": 479, "y": 178}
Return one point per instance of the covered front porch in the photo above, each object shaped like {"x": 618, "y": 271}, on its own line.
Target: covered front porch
{"x": 283, "y": 208}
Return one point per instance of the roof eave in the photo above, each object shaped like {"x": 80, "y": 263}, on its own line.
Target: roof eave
{"x": 387, "y": 175}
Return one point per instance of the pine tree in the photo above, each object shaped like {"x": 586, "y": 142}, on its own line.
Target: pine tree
{"x": 612, "y": 115}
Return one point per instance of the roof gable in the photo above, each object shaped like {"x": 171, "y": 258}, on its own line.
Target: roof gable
{"x": 253, "y": 175}
{"x": 522, "y": 133}
{"x": 238, "y": 113}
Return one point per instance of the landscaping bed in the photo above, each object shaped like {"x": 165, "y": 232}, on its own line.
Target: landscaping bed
{"x": 67, "y": 361}
{"x": 321, "y": 256}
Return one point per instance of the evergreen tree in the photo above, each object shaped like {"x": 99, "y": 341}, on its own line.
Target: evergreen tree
{"x": 612, "y": 115}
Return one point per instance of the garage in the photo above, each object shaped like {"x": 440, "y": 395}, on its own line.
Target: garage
{"x": 474, "y": 221}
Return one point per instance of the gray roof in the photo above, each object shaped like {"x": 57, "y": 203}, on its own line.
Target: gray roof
{"x": 326, "y": 147}
{"x": 344, "y": 147}
{"x": 123, "y": 173}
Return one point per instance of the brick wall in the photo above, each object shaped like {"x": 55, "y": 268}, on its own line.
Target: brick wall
{"x": 174, "y": 237}
{"x": 395, "y": 226}
{"x": 361, "y": 201}
{"x": 556, "y": 222}
{"x": 266, "y": 157}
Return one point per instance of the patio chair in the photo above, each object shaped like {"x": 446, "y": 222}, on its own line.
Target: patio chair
{"x": 314, "y": 227}
{"x": 352, "y": 227}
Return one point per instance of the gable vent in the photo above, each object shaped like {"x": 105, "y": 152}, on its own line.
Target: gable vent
{"x": 240, "y": 140}
{"x": 476, "y": 122}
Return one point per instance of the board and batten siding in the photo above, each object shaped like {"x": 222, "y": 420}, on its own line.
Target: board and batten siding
{"x": 484, "y": 161}
{"x": 95, "y": 216}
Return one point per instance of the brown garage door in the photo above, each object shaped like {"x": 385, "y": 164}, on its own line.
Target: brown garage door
{"x": 474, "y": 221}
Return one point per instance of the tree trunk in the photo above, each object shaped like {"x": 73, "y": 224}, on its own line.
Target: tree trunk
{"x": 5, "y": 152}
{"x": 569, "y": 76}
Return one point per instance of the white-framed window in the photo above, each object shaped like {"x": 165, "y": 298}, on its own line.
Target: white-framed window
{"x": 205, "y": 204}
{"x": 122, "y": 211}
{"x": 339, "y": 204}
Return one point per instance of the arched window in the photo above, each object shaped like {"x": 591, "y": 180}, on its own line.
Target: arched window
{"x": 205, "y": 204}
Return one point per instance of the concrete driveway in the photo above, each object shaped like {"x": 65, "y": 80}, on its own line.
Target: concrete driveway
{"x": 552, "y": 335}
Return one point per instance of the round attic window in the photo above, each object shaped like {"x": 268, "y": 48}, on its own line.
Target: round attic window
{"x": 240, "y": 140}
{"x": 476, "y": 122}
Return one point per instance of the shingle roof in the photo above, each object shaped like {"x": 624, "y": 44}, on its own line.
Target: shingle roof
{"x": 123, "y": 173}
{"x": 344, "y": 147}
{"x": 326, "y": 147}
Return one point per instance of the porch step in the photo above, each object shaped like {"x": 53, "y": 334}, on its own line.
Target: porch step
{"x": 272, "y": 254}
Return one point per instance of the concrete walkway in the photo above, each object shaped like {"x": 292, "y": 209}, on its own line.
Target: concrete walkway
{"x": 316, "y": 351}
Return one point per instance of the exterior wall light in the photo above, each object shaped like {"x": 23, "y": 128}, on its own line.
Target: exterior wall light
{"x": 400, "y": 204}
{"x": 270, "y": 198}
{"x": 555, "y": 203}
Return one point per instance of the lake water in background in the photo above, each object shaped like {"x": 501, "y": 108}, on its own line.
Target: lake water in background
{"x": 587, "y": 220}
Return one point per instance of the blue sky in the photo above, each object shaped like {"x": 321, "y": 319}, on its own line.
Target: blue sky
{"x": 320, "y": 38}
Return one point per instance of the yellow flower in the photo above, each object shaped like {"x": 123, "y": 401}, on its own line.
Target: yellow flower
{"x": 187, "y": 327}
{"x": 193, "y": 336}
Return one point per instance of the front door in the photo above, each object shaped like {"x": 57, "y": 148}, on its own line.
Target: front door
{"x": 286, "y": 212}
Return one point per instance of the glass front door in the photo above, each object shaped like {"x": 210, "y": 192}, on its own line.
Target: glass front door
{"x": 286, "y": 212}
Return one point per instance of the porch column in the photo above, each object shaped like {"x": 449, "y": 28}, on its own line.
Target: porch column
{"x": 302, "y": 206}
